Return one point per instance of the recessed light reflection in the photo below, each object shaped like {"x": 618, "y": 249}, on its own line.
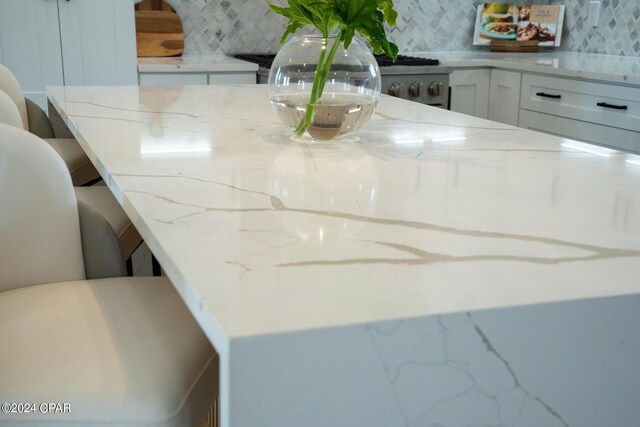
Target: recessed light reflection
{"x": 588, "y": 148}
{"x": 174, "y": 142}
{"x": 450, "y": 140}
{"x": 633, "y": 159}
{"x": 407, "y": 141}
{"x": 177, "y": 150}
{"x": 445, "y": 139}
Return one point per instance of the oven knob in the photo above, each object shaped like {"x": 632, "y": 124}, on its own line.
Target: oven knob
{"x": 415, "y": 89}
{"x": 396, "y": 89}
{"x": 436, "y": 89}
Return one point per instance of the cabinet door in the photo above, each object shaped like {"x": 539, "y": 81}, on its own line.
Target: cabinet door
{"x": 237, "y": 78}
{"x": 172, "y": 79}
{"x": 30, "y": 45}
{"x": 504, "y": 97}
{"x": 98, "y": 42}
{"x": 470, "y": 92}
{"x": 592, "y": 133}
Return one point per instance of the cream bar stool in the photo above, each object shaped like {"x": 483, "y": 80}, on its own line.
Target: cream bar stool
{"x": 33, "y": 119}
{"x": 116, "y": 352}
{"x": 96, "y": 198}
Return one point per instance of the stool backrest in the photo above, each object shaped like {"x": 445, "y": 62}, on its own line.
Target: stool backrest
{"x": 39, "y": 226}
{"x": 9, "y": 114}
{"x": 10, "y": 85}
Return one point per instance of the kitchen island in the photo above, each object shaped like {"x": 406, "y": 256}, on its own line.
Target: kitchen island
{"x": 441, "y": 270}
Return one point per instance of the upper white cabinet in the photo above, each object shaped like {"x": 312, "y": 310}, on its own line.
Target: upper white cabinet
{"x": 504, "y": 96}
{"x": 470, "y": 92}
{"x": 71, "y": 42}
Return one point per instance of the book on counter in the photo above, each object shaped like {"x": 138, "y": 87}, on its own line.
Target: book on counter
{"x": 500, "y": 21}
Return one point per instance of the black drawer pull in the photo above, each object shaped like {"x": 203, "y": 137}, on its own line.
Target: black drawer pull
{"x": 615, "y": 107}
{"x": 546, "y": 95}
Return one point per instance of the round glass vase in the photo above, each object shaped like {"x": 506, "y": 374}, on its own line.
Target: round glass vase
{"x": 347, "y": 80}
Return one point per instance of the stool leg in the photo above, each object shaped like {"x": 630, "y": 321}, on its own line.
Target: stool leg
{"x": 129, "y": 264}
{"x": 155, "y": 266}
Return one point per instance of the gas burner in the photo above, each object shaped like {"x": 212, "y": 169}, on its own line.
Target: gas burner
{"x": 265, "y": 60}
{"x": 385, "y": 61}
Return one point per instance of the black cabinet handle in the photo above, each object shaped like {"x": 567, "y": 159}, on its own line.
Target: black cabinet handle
{"x": 546, "y": 95}
{"x": 615, "y": 107}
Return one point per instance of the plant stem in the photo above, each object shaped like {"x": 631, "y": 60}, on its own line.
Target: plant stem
{"x": 319, "y": 80}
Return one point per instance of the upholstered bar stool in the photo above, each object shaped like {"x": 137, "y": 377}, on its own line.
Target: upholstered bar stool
{"x": 33, "y": 119}
{"x": 117, "y": 351}
{"x": 96, "y": 198}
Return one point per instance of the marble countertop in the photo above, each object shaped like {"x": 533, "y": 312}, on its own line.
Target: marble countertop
{"x": 195, "y": 64}
{"x": 394, "y": 280}
{"x": 608, "y": 68}
{"x": 430, "y": 212}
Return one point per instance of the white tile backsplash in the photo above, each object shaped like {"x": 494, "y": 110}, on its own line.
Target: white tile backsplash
{"x": 225, "y": 26}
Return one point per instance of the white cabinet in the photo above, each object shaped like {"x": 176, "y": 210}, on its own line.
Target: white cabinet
{"x": 470, "y": 92}
{"x": 98, "y": 42}
{"x": 504, "y": 96}
{"x": 30, "y": 44}
{"x": 593, "y": 133}
{"x": 600, "y": 113}
{"x": 71, "y": 42}
{"x": 197, "y": 78}
{"x": 605, "y": 104}
{"x": 485, "y": 93}
{"x": 161, "y": 79}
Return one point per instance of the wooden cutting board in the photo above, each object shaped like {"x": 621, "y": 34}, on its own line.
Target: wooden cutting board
{"x": 159, "y": 33}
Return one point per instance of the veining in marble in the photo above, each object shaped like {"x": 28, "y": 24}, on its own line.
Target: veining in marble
{"x": 544, "y": 365}
{"x": 400, "y": 197}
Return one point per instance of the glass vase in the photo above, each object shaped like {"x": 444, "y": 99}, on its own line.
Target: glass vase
{"x": 321, "y": 90}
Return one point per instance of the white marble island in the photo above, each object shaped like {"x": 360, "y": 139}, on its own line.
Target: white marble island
{"x": 443, "y": 270}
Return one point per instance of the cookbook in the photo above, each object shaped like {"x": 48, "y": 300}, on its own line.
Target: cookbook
{"x": 500, "y": 21}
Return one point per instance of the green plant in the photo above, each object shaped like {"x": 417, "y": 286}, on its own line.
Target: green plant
{"x": 345, "y": 18}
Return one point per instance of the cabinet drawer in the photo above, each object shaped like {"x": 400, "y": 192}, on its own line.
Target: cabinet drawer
{"x": 148, "y": 79}
{"x": 232, "y": 78}
{"x": 609, "y": 105}
{"x": 582, "y": 131}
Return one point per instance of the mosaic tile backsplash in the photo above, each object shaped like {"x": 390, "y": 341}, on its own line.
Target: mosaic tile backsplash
{"x": 226, "y": 26}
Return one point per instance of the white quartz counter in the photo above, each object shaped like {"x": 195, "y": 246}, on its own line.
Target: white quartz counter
{"x": 344, "y": 284}
{"x": 194, "y": 64}
{"x": 435, "y": 199}
{"x": 608, "y": 68}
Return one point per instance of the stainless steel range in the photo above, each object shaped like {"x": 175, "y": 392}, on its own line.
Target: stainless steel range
{"x": 416, "y": 79}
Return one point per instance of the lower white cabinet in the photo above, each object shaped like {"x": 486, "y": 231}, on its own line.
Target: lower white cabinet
{"x": 485, "y": 93}
{"x": 470, "y": 92}
{"x": 619, "y": 139}
{"x": 594, "y": 112}
{"x": 203, "y": 78}
{"x": 504, "y": 96}
{"x": 606, "y": 104}
{"x": 600, "y": 113}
